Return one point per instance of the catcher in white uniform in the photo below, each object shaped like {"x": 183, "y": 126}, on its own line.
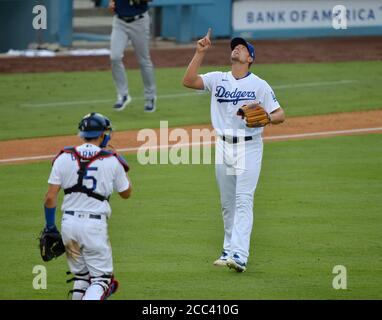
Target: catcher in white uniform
{"x": 241, "y": 105}
{"x": 88, "y": 174}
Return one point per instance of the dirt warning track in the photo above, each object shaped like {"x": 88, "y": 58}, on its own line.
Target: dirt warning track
{"x": 267, "y": 51}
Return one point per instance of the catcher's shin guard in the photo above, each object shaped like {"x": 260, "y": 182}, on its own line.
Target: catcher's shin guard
{"x": 80, "y": 285}
{"x": 100, "y": 287}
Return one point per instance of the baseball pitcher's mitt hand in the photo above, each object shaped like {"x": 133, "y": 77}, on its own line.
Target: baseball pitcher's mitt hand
{"x": 255, "y": 116}
{"x": 50, "y": 243}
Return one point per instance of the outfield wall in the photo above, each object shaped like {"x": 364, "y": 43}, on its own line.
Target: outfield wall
{"x": 261, "y": 19}
{"x": 187, "y": 20}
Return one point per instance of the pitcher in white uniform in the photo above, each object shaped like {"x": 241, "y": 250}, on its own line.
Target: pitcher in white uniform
{"x": 88, "y": 174}
{"x": 239, "y": 149}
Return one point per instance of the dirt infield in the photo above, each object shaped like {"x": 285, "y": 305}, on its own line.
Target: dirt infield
{"x": 28, "y": 150}
{"x": 267, "y": 51}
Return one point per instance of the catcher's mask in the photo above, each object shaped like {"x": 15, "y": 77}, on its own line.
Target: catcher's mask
{"x": 250, "y": 47}
{"x": 93, "y": 125}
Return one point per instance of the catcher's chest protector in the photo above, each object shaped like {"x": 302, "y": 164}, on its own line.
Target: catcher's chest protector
{"x": 83, "y": 164}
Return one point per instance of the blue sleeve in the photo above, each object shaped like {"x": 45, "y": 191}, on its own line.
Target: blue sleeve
{"x": 50, "y": 217}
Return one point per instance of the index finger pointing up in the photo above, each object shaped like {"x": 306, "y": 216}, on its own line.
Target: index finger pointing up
{"x": 208, "y": 35}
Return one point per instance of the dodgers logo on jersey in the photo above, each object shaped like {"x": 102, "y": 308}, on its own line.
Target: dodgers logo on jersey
{"x": 235, "y": 96}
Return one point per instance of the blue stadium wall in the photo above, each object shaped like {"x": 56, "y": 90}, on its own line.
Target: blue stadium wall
{"x": 16, "y": 28}
{"x": 268, "y": 19}
{"x": 256, "y": 19}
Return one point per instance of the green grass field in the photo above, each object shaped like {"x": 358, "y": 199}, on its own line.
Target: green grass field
{"x": 318, "y": 204}
{"x": 35, "y": 105}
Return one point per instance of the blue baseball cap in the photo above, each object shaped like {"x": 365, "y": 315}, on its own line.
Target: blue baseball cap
{"x": 250, "y": 48}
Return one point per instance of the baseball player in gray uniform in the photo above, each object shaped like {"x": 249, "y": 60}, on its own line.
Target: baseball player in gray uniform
{"x": 239, "y": 147}
{"x": 131, "y": 22}
{"x": 88, "y": 174}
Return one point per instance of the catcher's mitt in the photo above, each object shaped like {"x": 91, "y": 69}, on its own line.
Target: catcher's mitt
{"x": 51, "y": 245}
{"x": 255, "y": 116}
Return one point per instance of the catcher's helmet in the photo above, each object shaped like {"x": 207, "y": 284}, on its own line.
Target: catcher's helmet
{"x": 93, "y": 125}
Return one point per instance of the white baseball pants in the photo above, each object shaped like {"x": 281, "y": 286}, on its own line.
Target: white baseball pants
{"x": 94, "y": 266}
{"x": 237, "y": 168}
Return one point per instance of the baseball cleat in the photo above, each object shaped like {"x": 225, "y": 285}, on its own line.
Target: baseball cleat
{"x": 122, "y": 102}
{"x": 113, "y": 287}
{"x": 235, "y": 263}
{"x": 150, "y": 105}
{"x": 222, "y": 261}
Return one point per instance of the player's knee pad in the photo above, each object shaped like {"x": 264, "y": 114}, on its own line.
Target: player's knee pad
{"x": 81, "y": 282}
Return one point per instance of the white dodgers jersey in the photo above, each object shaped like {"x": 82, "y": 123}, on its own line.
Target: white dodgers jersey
{"x": 229, "y": 94}
{"x": 102, "y": 176}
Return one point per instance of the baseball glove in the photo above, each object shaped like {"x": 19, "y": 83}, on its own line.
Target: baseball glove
{"x": 255, "y": 116}
{"x": 50, "y": 243}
